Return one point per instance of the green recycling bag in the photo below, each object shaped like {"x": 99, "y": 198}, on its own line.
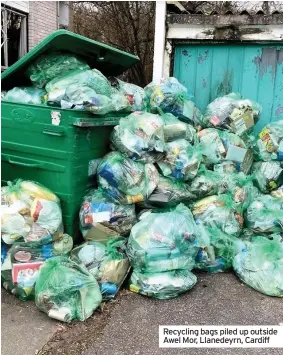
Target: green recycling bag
{"x": 25, "y": 95}
{"x": 99, "y": 208}
{"x": 265, "y": 215}
{"x": 168, "y": 193}
{"x": 49, "y": 66}
{"x": 172, "y": 97}
{"x": 217, "y": 250}
{"x": 175, "y": 129}
{"x": 269, "y": 146}
{"x": 268, "y": 175}
{"x": 162, "y": 285}
{"x": 108, "y": 263}
{"x": 232, "y": 112}
{"x": 219, "y": 212}
{"x": 182, "y": 160}
{"x": 164, "y": 241}
{"x": 66, "y": 291}
{"x": 206, "y": 183}
{"x": 260, "y": 266}
{"x": 134, "y": 94}
{"x": 140, "y": 136}
{"x": 125, "y": 180}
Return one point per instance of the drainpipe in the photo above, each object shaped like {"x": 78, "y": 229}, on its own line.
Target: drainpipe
{"x": 159, "y": 40}
{"x": 58, "y": 14}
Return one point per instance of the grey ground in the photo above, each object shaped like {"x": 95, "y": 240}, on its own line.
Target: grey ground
{"x": 131, "y": 326}
{"x": 24, "y": 330}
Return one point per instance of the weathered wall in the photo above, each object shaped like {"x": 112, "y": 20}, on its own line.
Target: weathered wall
{"x": 42, "y": 20}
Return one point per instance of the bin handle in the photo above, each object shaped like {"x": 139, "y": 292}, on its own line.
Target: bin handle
{"x": 32, "y": 165}
{"x": 52, "y": 133}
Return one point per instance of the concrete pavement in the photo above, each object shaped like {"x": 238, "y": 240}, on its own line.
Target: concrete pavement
{"x": 216, "y": 300}
{"x": 130, "y": 324}
{"x": 24, "y": 329}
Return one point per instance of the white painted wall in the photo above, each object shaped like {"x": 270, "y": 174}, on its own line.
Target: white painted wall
{"x": 159, "y": 40}
{"x": 186, "y": 31}
{"x": 17, "y": 5}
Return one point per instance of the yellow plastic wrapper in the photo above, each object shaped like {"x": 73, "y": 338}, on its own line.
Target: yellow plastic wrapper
{"x": 29, "y": 212}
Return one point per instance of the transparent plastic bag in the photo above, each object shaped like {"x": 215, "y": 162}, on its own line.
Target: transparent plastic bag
{"x": 35, "y": 251}
{"x": 218, "y": 146}
{"x": 66, "y": 291}
{"x": 260, "y": 266}
{"x": 107, "y": 263}
{"x": 125, "y": 180}
{"x": 182, "y": 160}
{"x": 219, "y": 212}
{"x": 49, "y": 66}
{"x": 97, "y": 207}
{"x": 217, "y": 250}
{"x": 226, "y": 167}
{"x": 140, "y": 136}
{"x": 164, "y": 241}
{"x": 162, "y": 285}
{"x": 172, "y": 97}
{"x": 25, "y": 260}
{"x": 75, "y": 96}
{"x": 232, "y": 112}
{"x": 175, "y": 129}
{"x": 25, "y": 95}
{"x": 241, "y": 187}
{"x": 134, "y": 94}
{"x": 265, "y": 215}
{"x": 168, "y": 193}
{"x": 269, "y": 146}
{"x": 206, "y": 183}
{"x": 212, "y": 146}
{"x": 20, "y": 280}
{"x": 29, "y": 212}
{"x": 278, "y": 193}
{"x": 102, "y": 104}
{"x": 93, "y": 79}
{"x": 268, "y": 175}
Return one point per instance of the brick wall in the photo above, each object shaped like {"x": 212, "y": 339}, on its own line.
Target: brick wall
{"x": 42, "y": 20}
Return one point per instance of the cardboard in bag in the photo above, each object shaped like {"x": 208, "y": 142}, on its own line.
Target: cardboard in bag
{"x": 101, "y": 234}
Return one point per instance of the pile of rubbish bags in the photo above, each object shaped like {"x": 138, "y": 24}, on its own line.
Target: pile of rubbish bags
{"x": 32, "y": 232}
{"x": 204, "y": 189}
{"x": 64, "y": 80}
{"x": 180, "y": 191}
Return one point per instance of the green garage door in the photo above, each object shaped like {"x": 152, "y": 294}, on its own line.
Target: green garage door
{"x": 254, "y": 70}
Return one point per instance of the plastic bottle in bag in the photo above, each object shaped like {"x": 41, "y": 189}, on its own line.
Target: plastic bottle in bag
{"x": 182, "y": 160}
{"x": 268, "y": 175}
{"x": 172, "y": 97}
{"x": 97, "y": 207}
{"x": 125, "y": 180}
{"x": 269, "y": 145}
{"x": 219, "y": 212}
{"x": 30, "y": 212}
{"x": 66, "y": 291}
{"x": 164, "y": 241}
{"x": 140, "y": 135}
{"x": 232, "y": 112}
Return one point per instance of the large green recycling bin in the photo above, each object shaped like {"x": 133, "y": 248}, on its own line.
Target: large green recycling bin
{"x": 53, "y": 146}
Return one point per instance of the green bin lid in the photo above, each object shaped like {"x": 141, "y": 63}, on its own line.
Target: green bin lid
{"x": 110, "y": 61}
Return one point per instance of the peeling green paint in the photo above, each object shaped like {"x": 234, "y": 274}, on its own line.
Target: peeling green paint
{"x": 225, "y": 87}
{"x": 255, "y": 70}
